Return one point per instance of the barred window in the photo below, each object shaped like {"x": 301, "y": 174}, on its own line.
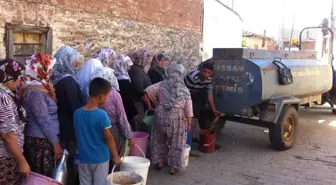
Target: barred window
{"x": 23, "y": 41}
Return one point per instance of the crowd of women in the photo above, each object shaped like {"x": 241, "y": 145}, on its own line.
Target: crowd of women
{"x": 38, "y": 100}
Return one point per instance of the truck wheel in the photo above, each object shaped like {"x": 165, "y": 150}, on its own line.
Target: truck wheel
{"x": 282, "y": 134}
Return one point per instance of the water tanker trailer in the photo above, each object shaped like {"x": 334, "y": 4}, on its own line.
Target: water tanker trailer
{"x": 266, "y": 88}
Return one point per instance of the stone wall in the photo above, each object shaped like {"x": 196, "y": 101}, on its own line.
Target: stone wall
{"x": 125, "y": 26}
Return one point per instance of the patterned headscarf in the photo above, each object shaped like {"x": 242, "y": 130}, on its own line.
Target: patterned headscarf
{"x": 107, "y": 74}
{"x": 156, "y": 66}
{"x": 105, "y": 55}
{"x": 141, "y": 58}
{"x": 38, "y": 70}
{"x": 173, "y": 86}
{"x": 10, "y": 70}
{"x": 65, "y": 57}
{"x": 121, "y": 67}
{"x": 84, "y": 75}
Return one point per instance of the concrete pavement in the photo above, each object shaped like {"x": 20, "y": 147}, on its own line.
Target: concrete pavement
{"x": 246, "y": 157}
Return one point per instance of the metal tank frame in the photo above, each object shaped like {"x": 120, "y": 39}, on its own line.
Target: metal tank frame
{"x": 280, "y": 114}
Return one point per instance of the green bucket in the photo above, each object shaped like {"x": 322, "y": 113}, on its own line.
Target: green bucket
{"x": 148, "y": 120}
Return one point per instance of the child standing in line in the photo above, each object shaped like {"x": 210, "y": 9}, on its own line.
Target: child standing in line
{"x": 94, "y": 138}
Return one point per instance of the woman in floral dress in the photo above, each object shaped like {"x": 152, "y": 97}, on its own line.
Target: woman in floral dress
{"x": 38, "y": 96}
{"x": 173, "y": 116}
{"x": 121, "y": 129}
{"x": 12, "y": 122}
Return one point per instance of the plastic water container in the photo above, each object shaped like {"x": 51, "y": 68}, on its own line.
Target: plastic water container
{"x": 139, "y": 165}
{"x": 135, "y": 164}
{"x": 186, "y": 153}
{"x": 189, "y": 137}
{"x": 140, "y": 140}
{"x": 124, "y": 178}
{"x": 37, "y": 179}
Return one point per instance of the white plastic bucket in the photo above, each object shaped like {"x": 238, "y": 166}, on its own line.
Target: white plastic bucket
{"x": 186, "y": 153}
{"x": 139, "y": 165}
{"x": 124, "y": 177}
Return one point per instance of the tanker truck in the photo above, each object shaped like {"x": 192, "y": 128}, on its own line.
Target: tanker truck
{"x": 266, "y": 88}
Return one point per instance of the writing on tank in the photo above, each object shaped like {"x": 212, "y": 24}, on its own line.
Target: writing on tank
{"x": 227, "y": 67}
{"x": 230, "y": 78}
{"x": 228, "y": 88}
{"x": 306, "y": 72}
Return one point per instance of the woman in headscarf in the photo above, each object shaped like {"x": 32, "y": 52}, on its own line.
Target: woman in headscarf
{"x": 84, "y": 75}
{"x": 69, "y": 99}
{"x": 41, "y": 146}
{"x": 140, "y": 81}
{"x": 121, "y": 66}
{"x": 172, "y": 120}
{"x": 157, "y": 70}
{"x": 106, "y": 56}
{"x": 121, "y": 129}
{"x": 12, "y": 122}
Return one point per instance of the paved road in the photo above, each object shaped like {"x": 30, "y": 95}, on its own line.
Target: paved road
{"x": 247, "y": 159}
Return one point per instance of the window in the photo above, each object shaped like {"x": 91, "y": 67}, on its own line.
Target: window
{"x": 24, "y": 41}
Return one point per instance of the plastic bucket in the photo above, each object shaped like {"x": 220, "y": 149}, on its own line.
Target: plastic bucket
{"x": 139, "y": 165}
{"x": 189, "y": 137}
{"x": 123, "y": 178}
{"x": 148, "y": 120}
{"x": 207, "y": 141}
{"x": 185, "y": 156}
{"x": 186, "y": 153}
{"x": 37, "y": 179}
{"x": 140, "y": 140}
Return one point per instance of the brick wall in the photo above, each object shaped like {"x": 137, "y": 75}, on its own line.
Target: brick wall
{"x": 172, "y": 26}
{"x": 171, "y": 13}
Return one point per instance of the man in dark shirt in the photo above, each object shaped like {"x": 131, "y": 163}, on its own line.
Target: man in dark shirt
{"x": 200, "y": 84}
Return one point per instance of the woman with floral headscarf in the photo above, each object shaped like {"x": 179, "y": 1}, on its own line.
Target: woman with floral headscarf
{"x": 121, "y": 66}
{"x": 69, "y": 99}
{"x": 172, "y": 120}
{"x": 140, "y": 81}
{"x": 12, "y": 122}
{"x": 106, "y": 56}
{"x": 121, "y": 129}
{"x": 42, "y": 146}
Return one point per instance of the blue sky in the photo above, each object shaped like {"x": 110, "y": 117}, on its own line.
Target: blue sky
{"x": 268, "y": 14}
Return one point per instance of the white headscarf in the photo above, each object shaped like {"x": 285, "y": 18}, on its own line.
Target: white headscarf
{"x": 108, "y": 74}
{"x": 121, "y": 67}
{"x": 83, "y": 76}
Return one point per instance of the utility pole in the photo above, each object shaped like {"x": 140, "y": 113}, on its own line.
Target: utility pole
{"x": 291, "y": 36}
{"x": 332, "y": 26}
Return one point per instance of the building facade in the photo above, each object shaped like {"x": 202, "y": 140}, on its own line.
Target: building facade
{"x": 172, "y": 26}
{"x": 257, "y": 41}
{"x": 222, "y": 26}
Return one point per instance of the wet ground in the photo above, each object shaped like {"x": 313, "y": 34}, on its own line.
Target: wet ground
{"x": 246, "y": 158}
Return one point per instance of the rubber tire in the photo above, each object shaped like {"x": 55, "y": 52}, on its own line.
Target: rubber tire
{"x": 276, "y": 130}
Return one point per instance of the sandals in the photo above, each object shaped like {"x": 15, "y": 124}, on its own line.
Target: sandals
{"x": 173, "y": 171}
{"x": 159, "y": 166}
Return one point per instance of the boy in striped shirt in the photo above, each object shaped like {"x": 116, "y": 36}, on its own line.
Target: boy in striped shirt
{"x": 199, "y": 83}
